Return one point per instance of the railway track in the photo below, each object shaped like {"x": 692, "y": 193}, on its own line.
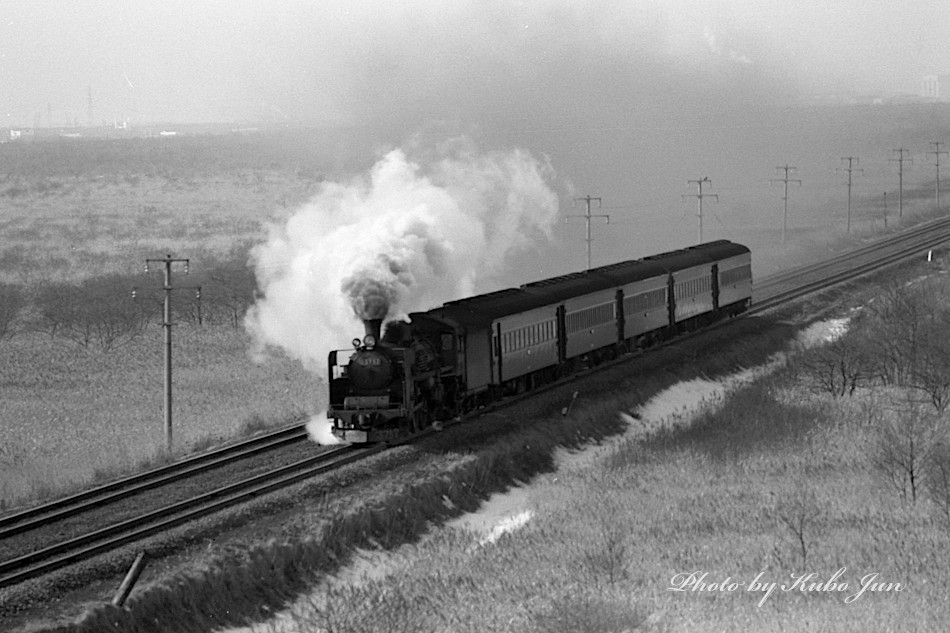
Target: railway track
{"x": 67, "y": 552}
{"x": 774, "y": 290}
{"x": 770, "y": 292}
{"x": 72, "y": 505}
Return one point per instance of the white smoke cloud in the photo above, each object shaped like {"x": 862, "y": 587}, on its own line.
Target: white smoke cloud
{"x": 320, "y": 430}
{"x": 403, "y": 237}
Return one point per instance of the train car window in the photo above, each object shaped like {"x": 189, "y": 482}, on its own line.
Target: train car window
{"x": 589, "y": 318}
{"x": 736, "y": 275}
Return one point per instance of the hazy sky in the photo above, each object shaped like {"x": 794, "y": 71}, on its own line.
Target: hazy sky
{"x": 409, "y": 62}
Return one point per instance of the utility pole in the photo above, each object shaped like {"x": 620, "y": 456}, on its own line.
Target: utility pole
{"x": 700, "y": 196}
{"x": 166, "y": 263}
{"x": 851, "y": 161}
{"x": 900, "y": 173}
{"x": 786, "y": 180}
{"x": 587, "y": 217}
{"x": 885, "y": 210}
{"x": 937, "y": 152}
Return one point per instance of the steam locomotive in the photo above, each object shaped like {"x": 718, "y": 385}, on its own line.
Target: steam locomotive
{"x": 467, "y": 353}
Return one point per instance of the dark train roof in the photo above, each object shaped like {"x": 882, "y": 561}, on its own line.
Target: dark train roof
{"x": 483, "y": 309}
{"x": 721, "y": 249}
{"x": 488, "y": 307}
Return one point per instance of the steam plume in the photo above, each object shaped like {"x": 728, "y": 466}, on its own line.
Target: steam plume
{"x": 402, "y": 238}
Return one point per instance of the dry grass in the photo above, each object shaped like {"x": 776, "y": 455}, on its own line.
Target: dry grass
{"x": 776, "y": 481}
{"x": 74, "y": 211}
{"x": 605, "y": 543}
{"x": 88, "y": 229}
{"x": 72, "y": 415}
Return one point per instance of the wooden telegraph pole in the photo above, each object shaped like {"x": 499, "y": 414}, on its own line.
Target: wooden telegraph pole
{"x": 850, "y": 170}
{"x": 900, "y": 160}
{"x": 700, "y": 196}
{"x": 587, "y": 217}
{"x": 786, "y": 180}
{"x": 166, "y": 263}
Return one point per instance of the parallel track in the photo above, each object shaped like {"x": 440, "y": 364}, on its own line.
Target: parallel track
{"x": 68, "y": 552}
{"x": 770, "y": 292}
{"x": 93, "y": 498}
{"x": 774, "y": 290}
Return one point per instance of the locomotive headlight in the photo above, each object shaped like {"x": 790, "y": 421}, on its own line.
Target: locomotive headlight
{"x": 356, "y": 343}
{"x": 369, "y": 341}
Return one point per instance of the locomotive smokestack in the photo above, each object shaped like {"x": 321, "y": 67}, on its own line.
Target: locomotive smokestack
{"x": 373, "y": 327}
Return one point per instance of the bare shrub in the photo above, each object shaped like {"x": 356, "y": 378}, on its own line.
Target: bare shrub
{"x": 905, "y": 439}
{"x": 797, "y": 513}
{"x": 227, "y": 287}
{"x": 931, "y": 370}
{"x": 894, "y": 325}
{"x": 608, "y": 556}
{"x": 938, "y": 480}
{"x": 840, "y": 366}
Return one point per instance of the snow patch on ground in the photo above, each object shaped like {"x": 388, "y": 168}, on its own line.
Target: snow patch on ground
{"x": 824, "y": 332}
{"x": 502, "y": 513}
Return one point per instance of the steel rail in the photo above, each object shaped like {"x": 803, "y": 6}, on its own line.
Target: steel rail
{"x": 99, "y": 496}
{"x": 66, "y": 553}
{"x": 910, "y": 235}
{"x": 832, "y": 275}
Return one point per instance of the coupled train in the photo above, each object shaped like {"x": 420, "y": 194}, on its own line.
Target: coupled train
{"x": 466, "y": 353}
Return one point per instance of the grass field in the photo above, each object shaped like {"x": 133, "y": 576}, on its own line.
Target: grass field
{"x": 73, "y": 415}
{"x": 686, "y": 529}
{"x": 75, "y": 211}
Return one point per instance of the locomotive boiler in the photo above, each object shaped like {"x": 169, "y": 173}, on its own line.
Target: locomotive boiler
{"x": 383, "y": 389}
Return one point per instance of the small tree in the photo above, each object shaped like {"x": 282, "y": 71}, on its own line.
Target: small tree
{"x": 797, "y": 513}
{"x": 227, "y": 287}
{"x": 839, "y": 366}
{"x": 905, "y": 441}
{"x": 930, "y": 372}
{"x": 938, "y": 480}
{"x": 894, "y": 325}
{"x": 98, "y": 311}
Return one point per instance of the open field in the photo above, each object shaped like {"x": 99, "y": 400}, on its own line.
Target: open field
{"x": 77, "y": 211}
{"x": 72, "y": 415}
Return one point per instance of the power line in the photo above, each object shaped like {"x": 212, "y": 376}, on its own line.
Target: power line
{"x": 786, "y": 180}
{"x": 587, "y": 217}
{"x": 900, "y": 173}
{"x": 850, "y": 170}
{"x": 700, "y": 196}
{"x": 167, "y": 262}
{"x": 937, "y": 152}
